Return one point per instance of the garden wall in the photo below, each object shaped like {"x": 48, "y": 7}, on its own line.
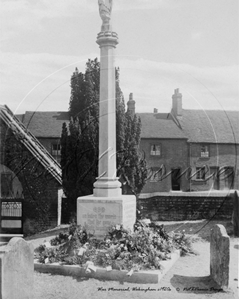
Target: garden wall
{"x": 186, "y": 206}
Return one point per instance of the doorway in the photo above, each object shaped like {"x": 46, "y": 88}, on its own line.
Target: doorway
{"x": 176, "y": 179}
{"x": 214, "y": 171}
{"x": 229, "y": 177}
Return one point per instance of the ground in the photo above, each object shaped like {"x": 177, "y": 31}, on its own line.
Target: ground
{"x": 188, "y": 278}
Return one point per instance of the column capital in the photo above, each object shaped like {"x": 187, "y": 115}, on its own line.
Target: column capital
{"x": 107, "y": 38}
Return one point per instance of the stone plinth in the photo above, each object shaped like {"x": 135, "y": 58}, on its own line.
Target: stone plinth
{"x": 17, "y": 270}
{"x": 220, "y": 255}
{"x": 99, "y": 214}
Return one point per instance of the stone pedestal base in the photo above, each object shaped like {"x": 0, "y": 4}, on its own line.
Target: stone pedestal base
{"x": 99, "y": 214}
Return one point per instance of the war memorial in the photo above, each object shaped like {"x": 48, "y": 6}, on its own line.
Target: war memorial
{"x": 107, "y": 206}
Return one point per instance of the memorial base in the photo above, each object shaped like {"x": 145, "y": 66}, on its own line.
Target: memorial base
{"x": 99, "y": 214}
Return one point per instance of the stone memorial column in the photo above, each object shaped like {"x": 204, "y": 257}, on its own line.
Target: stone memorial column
{"x": 107, "y": 206}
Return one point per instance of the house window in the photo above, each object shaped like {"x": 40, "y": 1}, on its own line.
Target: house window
{"x": 201, "y": 173}
{"x": 204, "y": 151}
{"x": 155, "y": 150}
{"x": 6, "y": 185}
{"x": 155, "y": 174}
{"x": 56, "y": 149}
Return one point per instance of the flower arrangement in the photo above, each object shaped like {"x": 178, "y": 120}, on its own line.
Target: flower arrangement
{"x": 144, "y": 248}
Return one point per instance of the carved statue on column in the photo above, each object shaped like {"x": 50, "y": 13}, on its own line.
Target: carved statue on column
{"x": 105, "y": 8}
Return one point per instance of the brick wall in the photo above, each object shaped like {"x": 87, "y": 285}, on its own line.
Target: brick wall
{"x": 168, "y": 207}
{"x": 174, "y": 154}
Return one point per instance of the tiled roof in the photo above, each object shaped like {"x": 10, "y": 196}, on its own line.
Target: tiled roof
{"x": 209, "y": 126}
{"x": 155, "y": 127}
{"x": 45, "y": 123}
{"x": 212, "y": 126}
{"x": 49, "y": 124}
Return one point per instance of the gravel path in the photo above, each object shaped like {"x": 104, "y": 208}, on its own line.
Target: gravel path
{"x": 189, "y": 272}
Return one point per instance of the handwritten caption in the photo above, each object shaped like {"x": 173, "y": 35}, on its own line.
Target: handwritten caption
{"x": 134, "y": 289}
{"x": 160, "y": 289}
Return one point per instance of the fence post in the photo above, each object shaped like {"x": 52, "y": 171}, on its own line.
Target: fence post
{"x": 235, "y": 214}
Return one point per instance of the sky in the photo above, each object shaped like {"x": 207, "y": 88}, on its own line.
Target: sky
{"x": 192, "y": 45}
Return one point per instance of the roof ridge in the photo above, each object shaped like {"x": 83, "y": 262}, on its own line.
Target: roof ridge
{"x": 205, "y": 110}
{"x": 46, "y": 111}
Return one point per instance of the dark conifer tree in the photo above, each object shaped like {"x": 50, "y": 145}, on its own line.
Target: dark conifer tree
{"x": 80, "y": 142}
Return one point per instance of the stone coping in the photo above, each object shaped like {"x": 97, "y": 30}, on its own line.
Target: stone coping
{"x": 151, "y": 276}
{"x": 10, "y": 235}
{"x": 212, "y": 193}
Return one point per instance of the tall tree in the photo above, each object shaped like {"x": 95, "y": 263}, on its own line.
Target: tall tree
{"x": 77, "y": 99}
{"x": 80, "y": 141}
{"x": 133, "y": 169}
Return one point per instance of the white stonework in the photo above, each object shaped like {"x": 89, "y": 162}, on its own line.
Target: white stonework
{"x": 99, "y": 214}
{"x": 107, "y": 184}
{"x": 107, "y": 206}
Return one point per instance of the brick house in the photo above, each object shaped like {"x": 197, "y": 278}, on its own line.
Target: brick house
{"x": 197, "y": 149}
{"x": 165, "y": 148}
{"x": 30, "y": 180}
{"x": 186, "y": 150}
{"x": 213, "y": 148}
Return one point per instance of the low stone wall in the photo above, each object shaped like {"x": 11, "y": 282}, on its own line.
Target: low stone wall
{"x": 186, "y": 206}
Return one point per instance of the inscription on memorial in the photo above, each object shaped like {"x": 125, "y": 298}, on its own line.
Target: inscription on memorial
{"x": 99, "y": 217}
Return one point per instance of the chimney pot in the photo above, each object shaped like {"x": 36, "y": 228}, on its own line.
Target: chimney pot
{"x": 177, "y": 103}
{"x": 131, "y": 105}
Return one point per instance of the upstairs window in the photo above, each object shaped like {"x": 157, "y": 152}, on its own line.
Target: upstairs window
{"x": 201, "y": 173}
{"x": 155, "y": 150}
{"x": 56, "y": 149}
{"x": 204, "y": 151}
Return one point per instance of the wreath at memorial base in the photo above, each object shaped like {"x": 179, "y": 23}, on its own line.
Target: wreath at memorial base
{"x": 144, "y": 248}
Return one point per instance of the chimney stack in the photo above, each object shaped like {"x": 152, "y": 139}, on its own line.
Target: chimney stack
{"x": 155, "y": 110}
{"x": 131, "y": 105}
{"x": 177, "y": 103}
